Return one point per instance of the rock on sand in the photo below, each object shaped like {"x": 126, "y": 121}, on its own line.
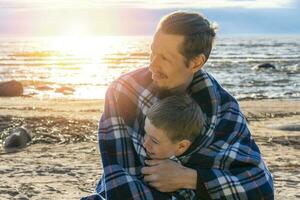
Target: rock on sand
{"x": 11, "y": 88}
{"x": 18, "y": 139}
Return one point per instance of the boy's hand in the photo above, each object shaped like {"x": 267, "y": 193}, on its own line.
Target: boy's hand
{"x": 168, "y": 176}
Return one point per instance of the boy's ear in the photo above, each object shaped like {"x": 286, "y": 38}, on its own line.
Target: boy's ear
{"x": 183, "y": 145}
{"x": 198, "y": 62}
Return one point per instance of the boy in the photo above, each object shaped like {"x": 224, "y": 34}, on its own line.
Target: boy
{"x": 171, "y": 126}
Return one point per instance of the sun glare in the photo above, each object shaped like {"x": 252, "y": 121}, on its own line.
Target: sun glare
{"x": 78, "y": 40}
{"x": 77, "y": 27}
{"x": 90, "y": 53}
{"x": 84, "y": 47}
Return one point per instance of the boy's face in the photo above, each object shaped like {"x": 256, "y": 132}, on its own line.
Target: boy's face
{"x": 158, "y": 145}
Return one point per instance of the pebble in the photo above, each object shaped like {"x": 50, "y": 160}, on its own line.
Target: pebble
{"x": 21, "y": 197}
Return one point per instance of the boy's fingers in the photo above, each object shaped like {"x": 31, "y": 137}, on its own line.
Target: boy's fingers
{"x": 150, "y": 178}
{"x": 147, "y": 170}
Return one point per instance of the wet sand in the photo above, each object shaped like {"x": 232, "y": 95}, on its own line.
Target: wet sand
{"x": 63, "y": 159}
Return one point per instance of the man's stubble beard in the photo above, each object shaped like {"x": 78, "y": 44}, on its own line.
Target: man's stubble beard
{"x": 162, "y": 91}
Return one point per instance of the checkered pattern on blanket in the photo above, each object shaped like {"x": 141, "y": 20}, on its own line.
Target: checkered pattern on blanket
{"x": 227, "y": 160}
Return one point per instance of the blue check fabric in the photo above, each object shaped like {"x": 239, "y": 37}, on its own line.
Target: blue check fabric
{"x": 228, "y": 162}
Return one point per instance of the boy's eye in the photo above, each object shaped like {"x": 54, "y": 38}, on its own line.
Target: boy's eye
{"x": 154, "y": 141}
{"x": 151, "y": 139}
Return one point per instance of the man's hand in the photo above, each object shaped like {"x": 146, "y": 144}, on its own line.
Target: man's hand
{"x": 169, "y": 176}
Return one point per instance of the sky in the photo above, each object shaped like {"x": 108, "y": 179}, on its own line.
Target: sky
{"x": 140, "y": 17}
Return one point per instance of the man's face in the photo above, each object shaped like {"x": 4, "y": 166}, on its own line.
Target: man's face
{"x": 167, "y": 65}
{"x": 157, "y": 144}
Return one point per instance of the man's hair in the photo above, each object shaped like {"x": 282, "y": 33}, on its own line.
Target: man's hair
{"x": 179, "y": 116}
{"x": 199, "y": 34}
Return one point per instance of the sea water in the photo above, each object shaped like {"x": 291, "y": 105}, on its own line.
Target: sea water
{"x": 83, "y": 67}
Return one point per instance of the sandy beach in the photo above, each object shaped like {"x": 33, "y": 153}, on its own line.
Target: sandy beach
{"x": 63, "y": 159}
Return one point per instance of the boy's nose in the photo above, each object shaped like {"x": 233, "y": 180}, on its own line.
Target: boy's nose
{"x": 145, "y": 143}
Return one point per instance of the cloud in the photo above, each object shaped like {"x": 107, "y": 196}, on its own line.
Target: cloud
{"x": 135, "y": 17}
{"x": 203, "y": 4}
{"x": 151, "y": 4}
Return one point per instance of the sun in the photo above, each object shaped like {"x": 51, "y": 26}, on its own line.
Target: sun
{"x": 77, "y": 27}
{"x": 79, "y": 46}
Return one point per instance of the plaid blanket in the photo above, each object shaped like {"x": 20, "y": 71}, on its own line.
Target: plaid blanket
{"x": 228, "y": 162}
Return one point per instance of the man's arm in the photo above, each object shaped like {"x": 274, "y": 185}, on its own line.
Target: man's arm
{"x": 242, "y": 181}
{"x": 169, "y": 176}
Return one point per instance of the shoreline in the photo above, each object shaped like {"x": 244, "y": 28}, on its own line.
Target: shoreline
{"x": 63, "y": 160}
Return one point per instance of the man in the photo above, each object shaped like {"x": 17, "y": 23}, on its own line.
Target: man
{"x": 228, "y": 164}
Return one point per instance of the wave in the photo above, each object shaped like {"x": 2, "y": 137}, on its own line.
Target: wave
{"x": 38, "y": 54}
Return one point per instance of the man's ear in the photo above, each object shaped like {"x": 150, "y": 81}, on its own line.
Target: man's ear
{"x": 183, "y": 145}
{"x": 198, "y": 62}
